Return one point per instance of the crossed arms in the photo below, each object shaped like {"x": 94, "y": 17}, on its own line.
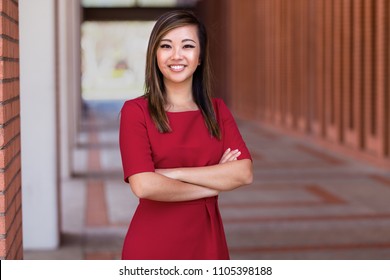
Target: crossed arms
{"x": 189, "y": 183}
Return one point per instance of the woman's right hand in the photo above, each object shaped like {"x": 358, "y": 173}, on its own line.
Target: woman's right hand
{"x": 229, "y": 155}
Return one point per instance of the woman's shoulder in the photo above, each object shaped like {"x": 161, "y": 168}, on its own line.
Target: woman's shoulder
{"x": 139, "y": 102}
{"x": 222, "y": 111}
{"x": 219, "y": 105}
{"x": 135, "y": 108}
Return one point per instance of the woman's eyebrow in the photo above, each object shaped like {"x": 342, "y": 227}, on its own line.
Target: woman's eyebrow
{"x": 184, "y": 40}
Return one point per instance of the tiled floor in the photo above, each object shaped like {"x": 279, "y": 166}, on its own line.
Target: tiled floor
{"x": 305, "y": 202}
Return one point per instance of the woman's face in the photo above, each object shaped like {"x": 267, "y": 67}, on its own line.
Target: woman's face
{"x": 178, "y": 54}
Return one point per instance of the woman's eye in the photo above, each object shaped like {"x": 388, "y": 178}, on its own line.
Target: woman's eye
{"x": 189, "y": 46}
{"x": 165, "y": 46}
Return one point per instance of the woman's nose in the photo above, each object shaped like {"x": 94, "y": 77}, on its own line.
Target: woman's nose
{"x": 176, "y": 53}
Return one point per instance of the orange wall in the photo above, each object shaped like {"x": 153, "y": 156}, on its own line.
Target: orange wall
{"x": 316, "y": 68}
{"x": 10, "y": 178}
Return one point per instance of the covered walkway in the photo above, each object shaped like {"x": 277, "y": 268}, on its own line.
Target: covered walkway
{"x": 315, "y": 69}
{"x": 305, "y": 202}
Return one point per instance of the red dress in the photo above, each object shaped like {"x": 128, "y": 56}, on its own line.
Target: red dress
{"x": 175, "y": 230}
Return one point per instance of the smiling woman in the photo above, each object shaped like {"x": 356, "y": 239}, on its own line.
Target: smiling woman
{"x": 177, "y": 59}
{"x": 180, "y": 148}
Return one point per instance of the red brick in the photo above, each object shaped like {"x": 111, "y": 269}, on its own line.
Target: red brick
{"x": 16, "y": 250}
{"x": 9, "y": 69}
{"x": 8, "y": 242}
{"x": 9, "y": 111}
{"x": 11, "y": 171}
{"x": 9, "y": 131}
{"x": 9, "y": 8}
{"x": 3, "y": 249}
{"x": 9, "y": 90}
{"x": 8, "y": 153}
{"x": 12, "y": 218}
{"x": 11, "y": 192}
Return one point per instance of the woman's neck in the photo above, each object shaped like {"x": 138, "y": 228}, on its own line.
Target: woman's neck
{"x": 179, "y": 97}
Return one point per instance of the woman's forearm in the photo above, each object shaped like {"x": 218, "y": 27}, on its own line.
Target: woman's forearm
{"x": 154, "y": 186}
{"x": 221, "y": 177}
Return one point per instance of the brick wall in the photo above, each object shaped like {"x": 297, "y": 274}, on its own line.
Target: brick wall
{"x": 10, "y": 165}
{"x": 317, "y": 69}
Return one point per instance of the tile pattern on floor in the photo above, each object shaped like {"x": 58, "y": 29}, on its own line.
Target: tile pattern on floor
{"x": 305, "y": 202}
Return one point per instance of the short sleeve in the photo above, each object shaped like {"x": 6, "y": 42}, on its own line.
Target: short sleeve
{"x": 134, "y": 141}
{"x": 231, "y": 135}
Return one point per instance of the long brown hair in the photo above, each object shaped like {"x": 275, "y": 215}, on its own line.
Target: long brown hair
{"x": 201, "y": 84}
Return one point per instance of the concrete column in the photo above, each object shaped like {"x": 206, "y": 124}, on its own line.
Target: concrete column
{"x": 69, "y": 80}
{"x": 38, "y": 124}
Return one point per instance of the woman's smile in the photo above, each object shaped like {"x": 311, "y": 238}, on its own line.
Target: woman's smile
{"x": 177, "y": 68}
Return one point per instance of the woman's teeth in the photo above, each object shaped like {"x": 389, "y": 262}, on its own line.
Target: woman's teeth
{"x": 177, "y": 67}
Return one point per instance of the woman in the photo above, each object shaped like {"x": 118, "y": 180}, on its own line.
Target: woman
{"x": 180, "y": 148}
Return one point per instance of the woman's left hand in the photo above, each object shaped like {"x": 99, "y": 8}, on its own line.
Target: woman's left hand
{"x": 229, "y": 155}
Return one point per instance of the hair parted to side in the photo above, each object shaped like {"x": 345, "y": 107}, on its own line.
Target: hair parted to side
{"x": 201, "y": 84}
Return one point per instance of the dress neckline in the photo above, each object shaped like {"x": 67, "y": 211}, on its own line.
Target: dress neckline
{"x": 178, "y": 112}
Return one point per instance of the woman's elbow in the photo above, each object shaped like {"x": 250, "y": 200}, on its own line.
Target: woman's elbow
{"x": 249, "y": 178}
{"x": 244, "y": 174}
{"x": 137, "y": 190}
{"x": 248, "y": 174}
{"x": 137, "y": 187}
